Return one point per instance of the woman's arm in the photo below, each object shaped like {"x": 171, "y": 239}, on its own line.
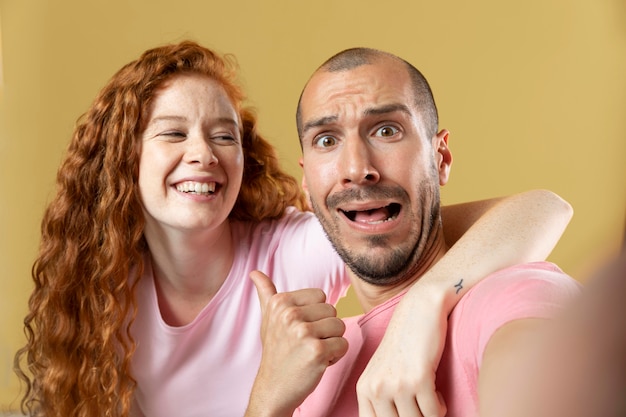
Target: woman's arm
{"x": 301, "y": 336}
{"x": 497, "y": 233}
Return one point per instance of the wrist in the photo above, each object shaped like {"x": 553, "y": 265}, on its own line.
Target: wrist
{"x": 261, "y": 409}
{"x": 435, "y": 295}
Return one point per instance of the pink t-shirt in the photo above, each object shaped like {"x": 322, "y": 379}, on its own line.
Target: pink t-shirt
{"x": 207, "y": 367}
{"x": 535, "y": 290}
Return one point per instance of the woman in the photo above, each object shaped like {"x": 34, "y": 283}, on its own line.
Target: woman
{"x": 167, "y": 199}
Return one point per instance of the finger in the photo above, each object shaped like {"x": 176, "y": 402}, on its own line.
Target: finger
{"x": 407, "y": 407}
{"x": 382, "y": 408}
{"x": 326, "y": 328}
{"x": 306, "y": 296}
{"x": 316, "y": 312}
{"x": 431, "y": 403}
{"x": 335, "y": 348}
{"x": 265, "y": 288}
{"x": 386, "y": 409}
{"x": 365, "y": 408}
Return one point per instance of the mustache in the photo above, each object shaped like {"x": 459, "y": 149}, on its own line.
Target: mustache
{"x": 368, "y": 192}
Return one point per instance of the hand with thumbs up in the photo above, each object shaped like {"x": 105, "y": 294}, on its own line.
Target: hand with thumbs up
{"x": 301, "y": 337}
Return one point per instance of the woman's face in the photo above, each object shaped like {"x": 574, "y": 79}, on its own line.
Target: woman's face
{"x": 191, "y": 163}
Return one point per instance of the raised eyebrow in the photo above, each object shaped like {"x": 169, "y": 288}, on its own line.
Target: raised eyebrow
{"x": 389, "y": 108}
{"x": 318, "y": 122}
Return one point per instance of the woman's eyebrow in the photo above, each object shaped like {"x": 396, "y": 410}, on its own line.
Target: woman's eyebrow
{"x": 166, "y": 118}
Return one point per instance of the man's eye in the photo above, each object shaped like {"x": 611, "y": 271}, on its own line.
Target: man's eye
{"x": 325, "y": 141}
{"x": 386, "y": 131}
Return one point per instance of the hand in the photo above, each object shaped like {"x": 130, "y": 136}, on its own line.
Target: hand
{"x": 400, "y": 377}
{"x": 301, "y": 337}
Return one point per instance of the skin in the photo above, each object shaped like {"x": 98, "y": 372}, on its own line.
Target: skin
{"x": 192, "y": 138}
{"x": 362, "y": 130}
{"x": 193, "y": 133}
{"x": 308, "y": 340}
{"x": 577, "y": 367}
{"x": 204, "y": 145}
{"x": 366, "y": 153}
{"x": 354, "y": 125}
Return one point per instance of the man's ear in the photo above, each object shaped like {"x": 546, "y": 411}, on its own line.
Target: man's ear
{"x": 443, "y": 155}
{"x": 304, "y": 186}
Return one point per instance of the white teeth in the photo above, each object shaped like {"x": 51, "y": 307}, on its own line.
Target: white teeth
{"x": 388, "y": 219}
{"x": 383, "y": 221}
{"x": 196, "y": 187}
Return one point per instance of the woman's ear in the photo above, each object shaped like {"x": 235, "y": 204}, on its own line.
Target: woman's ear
{"x": 443, "y": 155}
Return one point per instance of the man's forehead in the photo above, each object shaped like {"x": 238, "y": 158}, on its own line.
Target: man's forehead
{"x": 369, "y": 79}
{"x": 365, "y": 88}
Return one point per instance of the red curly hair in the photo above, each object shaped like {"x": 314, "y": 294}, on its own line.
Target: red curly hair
{"x": 78, "y": 354}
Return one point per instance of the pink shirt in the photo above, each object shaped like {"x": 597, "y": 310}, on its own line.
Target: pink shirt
{"x": 207, "y": 367}
{"x": 535, "y": 290}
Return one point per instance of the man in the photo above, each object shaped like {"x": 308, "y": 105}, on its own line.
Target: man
{"x": 373, "y": 162}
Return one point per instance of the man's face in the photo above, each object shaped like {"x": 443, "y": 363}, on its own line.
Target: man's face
{"x": 371, "y": 174}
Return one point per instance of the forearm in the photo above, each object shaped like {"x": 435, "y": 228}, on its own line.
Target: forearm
{"x": 502, "y": 232}
{"x": 263, "y": 404}
{"x": 516, "y": 229}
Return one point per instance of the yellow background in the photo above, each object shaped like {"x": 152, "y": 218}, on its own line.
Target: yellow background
{"x": 533, "y": 92}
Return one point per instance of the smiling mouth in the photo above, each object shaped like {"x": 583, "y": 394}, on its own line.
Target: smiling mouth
{"x": 198, "y": 188}
{"x": 374, "y": 216}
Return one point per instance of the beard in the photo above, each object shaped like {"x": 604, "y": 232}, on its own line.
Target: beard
{"x": 399, "y": 262}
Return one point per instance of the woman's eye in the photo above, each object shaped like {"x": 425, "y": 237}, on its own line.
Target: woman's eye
{"x": 386, "y": 131}
{"x": 226, "y": 139}
{"x": 325, "y": 141}
{"x": 174, "y": 134}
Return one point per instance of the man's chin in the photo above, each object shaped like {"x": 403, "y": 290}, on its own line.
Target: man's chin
{"x": 377, "y": 277}
{"x": 377, "y": 267}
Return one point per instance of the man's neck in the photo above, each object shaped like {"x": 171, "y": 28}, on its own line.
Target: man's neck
{"x": 370, "y": 295}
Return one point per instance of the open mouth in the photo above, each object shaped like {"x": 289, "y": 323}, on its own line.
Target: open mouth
{"x": 373, "y": 216}
{"x": 198, "y": 188}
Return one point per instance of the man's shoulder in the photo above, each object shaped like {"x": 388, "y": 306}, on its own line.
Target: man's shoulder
{"x": 527, "y": 276}
{"x": 531, "y": 268}
{"x": 537, "y": 289}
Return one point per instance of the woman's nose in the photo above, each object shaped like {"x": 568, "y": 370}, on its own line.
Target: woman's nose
{"x": 200, "y": 152}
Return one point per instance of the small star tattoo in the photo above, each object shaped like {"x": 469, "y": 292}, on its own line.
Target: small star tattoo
{"x": 459, "y": 286}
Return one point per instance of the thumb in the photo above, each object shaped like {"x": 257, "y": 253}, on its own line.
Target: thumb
{"x": 264, "y": 286}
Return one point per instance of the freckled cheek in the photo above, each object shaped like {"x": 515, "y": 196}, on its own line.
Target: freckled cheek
{"x": 145, "y": 169}
{"x": 240, "y": 163}
{"x": 154, "y": 168}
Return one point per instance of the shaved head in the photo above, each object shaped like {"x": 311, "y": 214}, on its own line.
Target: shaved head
{"x": 355, "y": 57}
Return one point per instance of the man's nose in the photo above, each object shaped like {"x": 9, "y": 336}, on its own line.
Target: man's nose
{"x": 356, "y": 163}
